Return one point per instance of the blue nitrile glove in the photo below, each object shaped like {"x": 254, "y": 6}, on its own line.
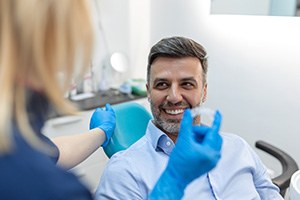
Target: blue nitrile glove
{"x": 105, "y": 120}
{"x": 197, "y": 151}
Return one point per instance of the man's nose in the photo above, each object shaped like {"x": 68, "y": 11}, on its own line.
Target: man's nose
{"x": 174, "y": 95}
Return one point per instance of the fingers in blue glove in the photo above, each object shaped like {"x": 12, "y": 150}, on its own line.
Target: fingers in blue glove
{"x": 213, "y": 138}
{"x": 195, "y": 152}
{"x": 200, "y": 132}
{"x": 105, "y": 120}
{"x": 217, "y": 121}
{"x": 109, "y": 108}
{"x": 186, "y": 124}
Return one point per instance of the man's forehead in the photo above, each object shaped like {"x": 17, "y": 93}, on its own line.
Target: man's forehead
{"x": 184, "y": 78}
{"x": 170, "y": 63}
{"x": 176, "y": 68}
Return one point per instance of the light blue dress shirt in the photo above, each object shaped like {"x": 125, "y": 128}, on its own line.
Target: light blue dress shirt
{"x": 240, "y": 174}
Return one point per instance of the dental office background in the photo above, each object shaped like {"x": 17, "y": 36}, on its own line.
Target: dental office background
{"x": 254, "y": 64}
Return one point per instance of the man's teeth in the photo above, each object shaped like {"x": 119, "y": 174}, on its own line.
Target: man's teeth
{"x": 174, "y": 112}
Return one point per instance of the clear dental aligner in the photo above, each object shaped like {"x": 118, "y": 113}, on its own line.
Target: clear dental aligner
{"x": 200, "y": 111}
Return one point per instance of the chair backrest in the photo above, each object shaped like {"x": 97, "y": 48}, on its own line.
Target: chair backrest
{"x": 131, "y": 123}
{"x": 289, "y": 165}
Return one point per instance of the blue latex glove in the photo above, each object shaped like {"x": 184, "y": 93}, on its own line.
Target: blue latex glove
{"x": 197, "y": 151}
{"x": 105, "y": 120}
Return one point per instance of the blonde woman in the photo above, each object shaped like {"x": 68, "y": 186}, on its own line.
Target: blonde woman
{"x": 40, "y": 39}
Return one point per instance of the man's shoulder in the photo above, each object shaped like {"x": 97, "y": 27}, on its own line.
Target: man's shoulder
{"x": 231, "y": 139}
{"x": 123, "y": 175}
{"x": 126, "y": 167}
{"x": 133, "y": 153}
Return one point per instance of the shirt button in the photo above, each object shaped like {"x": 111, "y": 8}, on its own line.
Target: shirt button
{"x": 168, "y": 143}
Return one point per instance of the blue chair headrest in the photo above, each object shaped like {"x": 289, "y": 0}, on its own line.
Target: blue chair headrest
{"x": 131, "y": 124}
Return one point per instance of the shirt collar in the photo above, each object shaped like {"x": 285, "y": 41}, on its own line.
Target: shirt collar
{"x": 159, "y": 140}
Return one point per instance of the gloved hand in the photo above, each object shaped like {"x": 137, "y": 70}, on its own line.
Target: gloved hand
{"x": 197, "y": 151}
{"x": 105, "y": 120}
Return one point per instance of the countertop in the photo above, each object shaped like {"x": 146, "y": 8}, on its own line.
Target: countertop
{"x": 111, "y": 96}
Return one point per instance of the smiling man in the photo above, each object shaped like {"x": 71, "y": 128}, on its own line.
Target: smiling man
{"x": 176, "y": 80}
{"x": 174, "y": 84}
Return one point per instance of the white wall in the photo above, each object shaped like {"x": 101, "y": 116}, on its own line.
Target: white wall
{"x": 122, "y": 26}
{"x": 112, "y": 35}
{"x": 254, "y": 67}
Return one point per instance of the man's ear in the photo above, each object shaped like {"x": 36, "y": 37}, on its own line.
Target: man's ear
{"x": 148, "y": 92}
{"x": 204, "y": 93}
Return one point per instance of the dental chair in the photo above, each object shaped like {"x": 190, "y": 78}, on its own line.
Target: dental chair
{"x": 131, "y": 123}
{"x": 289, "y": 165}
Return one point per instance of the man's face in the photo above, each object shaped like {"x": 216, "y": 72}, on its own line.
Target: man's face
{"x": 175, "y": 84}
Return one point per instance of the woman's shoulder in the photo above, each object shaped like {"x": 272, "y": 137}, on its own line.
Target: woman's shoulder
{"x": 26, "y": 172}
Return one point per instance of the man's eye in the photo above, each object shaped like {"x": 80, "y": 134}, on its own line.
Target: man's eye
{"x": 188, "y": 85}
{"x": 161, "y": 85}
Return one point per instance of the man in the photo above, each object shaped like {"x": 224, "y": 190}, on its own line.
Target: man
{"x": 176, "y": 80}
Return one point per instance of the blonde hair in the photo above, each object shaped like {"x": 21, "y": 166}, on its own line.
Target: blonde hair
{"x": 38, "y": 40}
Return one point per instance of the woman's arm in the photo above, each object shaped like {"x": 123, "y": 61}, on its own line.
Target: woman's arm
{"x": 76, "y": 148}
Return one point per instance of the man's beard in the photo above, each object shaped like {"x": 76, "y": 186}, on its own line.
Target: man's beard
{"x": 170, "y": 126}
